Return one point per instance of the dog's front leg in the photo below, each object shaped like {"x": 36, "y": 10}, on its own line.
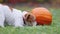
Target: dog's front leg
{"x": 2, "y": 18}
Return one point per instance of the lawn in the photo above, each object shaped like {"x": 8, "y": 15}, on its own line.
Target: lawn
{"x": 54, "y": 28}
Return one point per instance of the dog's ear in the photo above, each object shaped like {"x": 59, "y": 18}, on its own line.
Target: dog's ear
{"x": 27, "y": 16}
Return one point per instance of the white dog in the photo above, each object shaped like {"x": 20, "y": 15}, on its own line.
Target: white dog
{"x": 15, "y": 17}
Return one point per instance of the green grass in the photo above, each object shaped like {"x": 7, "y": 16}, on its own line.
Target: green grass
{"x": 54, "y": 28}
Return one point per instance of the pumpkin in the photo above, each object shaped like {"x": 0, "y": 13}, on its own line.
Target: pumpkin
{"x": 43, "y": 16}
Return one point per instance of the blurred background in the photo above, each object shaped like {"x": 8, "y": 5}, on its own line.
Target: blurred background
{"x": 52, "y": 5}
{"x": 33, "y": 3}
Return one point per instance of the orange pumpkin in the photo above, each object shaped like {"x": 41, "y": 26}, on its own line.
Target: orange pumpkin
{"x": 43, "y": 16}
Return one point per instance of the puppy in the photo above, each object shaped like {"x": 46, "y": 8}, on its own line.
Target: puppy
{"x": 29, "y": 19}
{"x": 15, "y": 17}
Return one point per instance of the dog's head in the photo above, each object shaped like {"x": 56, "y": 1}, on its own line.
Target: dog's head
{"x": 29, "y": 19}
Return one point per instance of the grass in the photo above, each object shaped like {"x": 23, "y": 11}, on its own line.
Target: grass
{"x": 54, "y": 28}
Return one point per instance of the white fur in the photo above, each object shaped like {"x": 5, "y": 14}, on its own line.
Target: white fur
{"x": 11, "y": 17}
{"x": 17, "y": 14}
{"x": 2, "y": 18}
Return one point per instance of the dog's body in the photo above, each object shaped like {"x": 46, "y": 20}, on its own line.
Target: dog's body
{"x": 17, "y": 15}
{"x": 13, "y": 17}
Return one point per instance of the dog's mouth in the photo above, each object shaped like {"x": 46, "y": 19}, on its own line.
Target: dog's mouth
{"x": 29, "y": 24}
